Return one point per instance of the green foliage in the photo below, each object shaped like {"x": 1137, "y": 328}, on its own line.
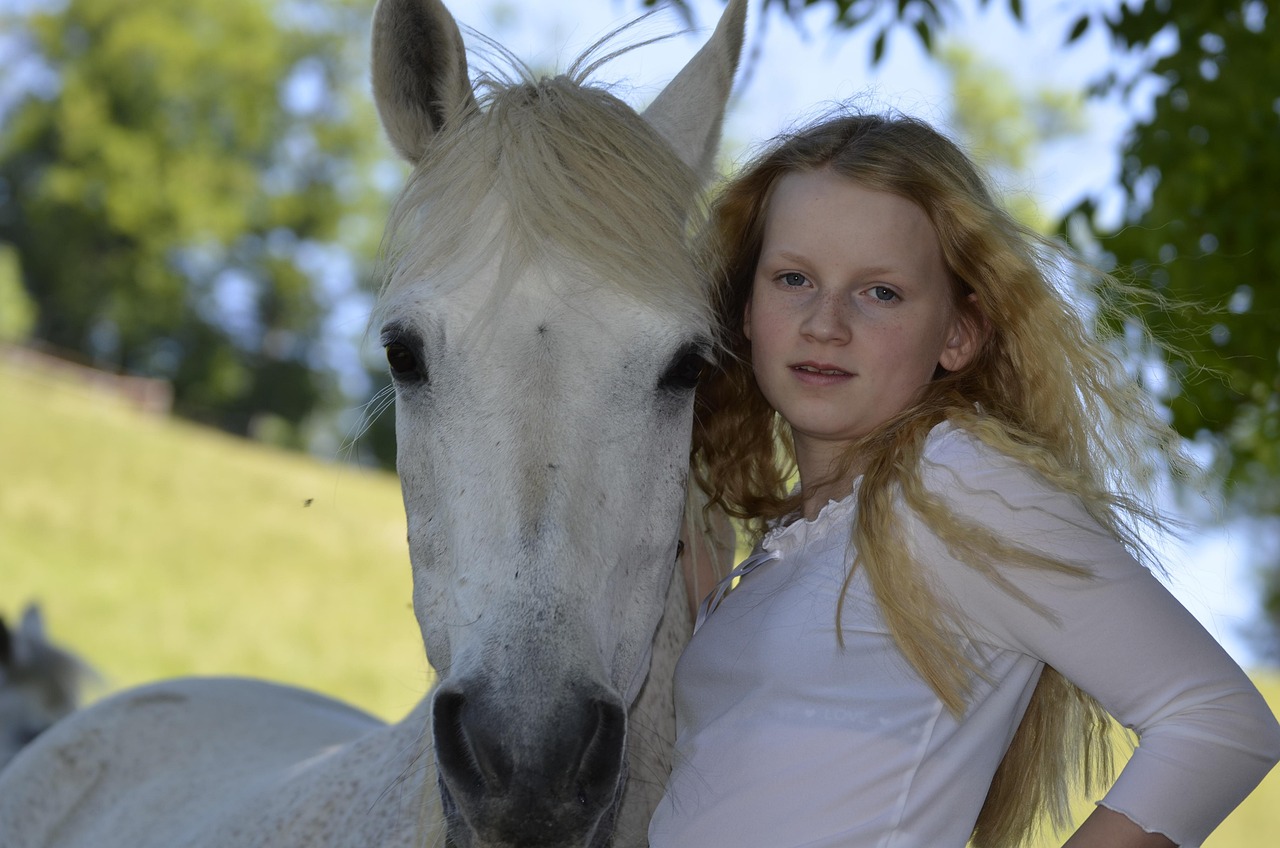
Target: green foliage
{"x": 1003, "y": 125}
{"x": 164, "y": 198}
{"x": 924, "y": 18}
{"x": 1200, "y": 179}
{"x": 17, "y": 312}
{"x": 158, "y": 549}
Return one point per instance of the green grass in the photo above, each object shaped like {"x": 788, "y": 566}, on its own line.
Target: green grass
{"x": 161, "y": 549}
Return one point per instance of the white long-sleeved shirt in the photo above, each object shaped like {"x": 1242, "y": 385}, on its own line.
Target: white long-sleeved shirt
{"x": 785, "y": 739}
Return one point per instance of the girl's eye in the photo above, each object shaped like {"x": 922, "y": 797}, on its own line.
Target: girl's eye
{"x": 793, "y": 280}
{"x": 884, "y": 294}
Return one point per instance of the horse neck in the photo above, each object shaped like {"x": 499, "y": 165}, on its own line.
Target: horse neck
{"x": 652, "y": 723}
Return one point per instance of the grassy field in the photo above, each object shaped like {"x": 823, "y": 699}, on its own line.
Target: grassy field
{"x": 161, "y": 549}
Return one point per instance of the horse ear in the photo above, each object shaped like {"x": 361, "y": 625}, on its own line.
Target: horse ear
{"x": 689, "y": 111}
{"x": 419, "y": 72}
{"x": 32, "y": 626}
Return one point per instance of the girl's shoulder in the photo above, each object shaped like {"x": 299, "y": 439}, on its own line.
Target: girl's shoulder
{"x": 979, "y": 482}
{"x": 951, "y": 438}
{"x": 952, "y": 451}
{"x": 979, "y": 479}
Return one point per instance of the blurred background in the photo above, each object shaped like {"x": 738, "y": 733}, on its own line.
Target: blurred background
{"x": 194, "y": 442}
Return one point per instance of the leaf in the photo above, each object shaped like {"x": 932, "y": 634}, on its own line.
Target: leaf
{"x": 877, "y": 50}
{"x": 926, "y": 35}
{"x": 1078, "y": 29}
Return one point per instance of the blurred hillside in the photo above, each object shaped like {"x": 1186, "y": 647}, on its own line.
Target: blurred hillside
{"x": 159, "y": 548}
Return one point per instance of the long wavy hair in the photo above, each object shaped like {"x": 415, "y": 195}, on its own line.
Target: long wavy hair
{"x": 1045, "y": 387}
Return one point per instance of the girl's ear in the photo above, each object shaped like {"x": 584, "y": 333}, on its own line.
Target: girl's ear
{"x": 969, "y": 332}
{"x": 746, "y": 320}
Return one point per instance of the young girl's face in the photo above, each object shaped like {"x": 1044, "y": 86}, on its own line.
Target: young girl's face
{"x": 851, "y": 311}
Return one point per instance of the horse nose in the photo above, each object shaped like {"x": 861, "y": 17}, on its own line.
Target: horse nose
{"x": 525, "y": 775}
{"x": 600, "y": 766}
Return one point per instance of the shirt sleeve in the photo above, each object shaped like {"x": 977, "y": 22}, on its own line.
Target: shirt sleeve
{"x": 1206, "y": 736}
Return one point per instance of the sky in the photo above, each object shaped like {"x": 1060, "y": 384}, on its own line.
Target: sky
{"x": 788, "y": 74}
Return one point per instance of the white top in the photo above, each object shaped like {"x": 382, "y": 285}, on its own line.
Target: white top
{"x": 784, "y": 739}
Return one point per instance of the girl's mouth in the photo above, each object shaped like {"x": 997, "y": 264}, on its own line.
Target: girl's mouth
{"x": 825, "y": 370}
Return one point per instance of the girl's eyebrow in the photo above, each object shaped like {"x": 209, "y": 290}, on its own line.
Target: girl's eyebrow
{"x": 802, "y": 259}
{"x": 785, "y": 255}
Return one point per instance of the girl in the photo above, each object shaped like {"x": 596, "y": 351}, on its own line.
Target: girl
{"x": 933, "y": 627}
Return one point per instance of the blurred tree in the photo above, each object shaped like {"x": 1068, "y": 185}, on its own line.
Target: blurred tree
{"x": 166, "y": 193}
{"x": 925, "y": 18}
{"x": 1003, "y": 125}
{"x": 17, "y": 312}
{"x": 1200, "y": 178}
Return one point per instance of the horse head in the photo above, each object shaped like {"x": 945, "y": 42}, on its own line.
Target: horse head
{"x": 545, "y": 321}
{"x": 39, "y": 682}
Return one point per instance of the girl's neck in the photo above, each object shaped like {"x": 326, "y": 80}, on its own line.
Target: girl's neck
{"x": 817, "y": 490}
{"x": 826, "y": 472}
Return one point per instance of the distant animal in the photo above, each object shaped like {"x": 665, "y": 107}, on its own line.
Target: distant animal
{"x": 40, "y": 683}
{"x": 545, "y": 321}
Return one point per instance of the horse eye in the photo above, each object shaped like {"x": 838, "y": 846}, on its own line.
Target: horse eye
{"x": 402, "y": 361}
{"x": 685, "y": 372}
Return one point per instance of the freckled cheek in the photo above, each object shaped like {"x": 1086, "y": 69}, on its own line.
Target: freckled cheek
{"x": 904, "y": 352}
{"x": 883, "y": 331}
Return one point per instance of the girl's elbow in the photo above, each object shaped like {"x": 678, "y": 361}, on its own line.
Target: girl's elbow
{"x": 1269, "y": 746}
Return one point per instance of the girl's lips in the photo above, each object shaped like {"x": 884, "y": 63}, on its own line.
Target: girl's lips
{"x": 820, "y": 368}
{"x": 819, "y": 373}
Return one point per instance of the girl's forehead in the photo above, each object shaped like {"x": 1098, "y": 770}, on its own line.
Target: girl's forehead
{"x": 825, "y": 202}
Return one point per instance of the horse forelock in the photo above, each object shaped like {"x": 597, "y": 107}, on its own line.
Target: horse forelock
{"x": 558, "y": 173}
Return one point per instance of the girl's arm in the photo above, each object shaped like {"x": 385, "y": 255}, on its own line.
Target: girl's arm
{"x": 1206, "y": 736}
{"x": 1108, "y": 829}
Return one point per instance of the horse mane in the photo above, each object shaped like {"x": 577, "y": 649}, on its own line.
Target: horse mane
{"x": 556, "y": 171}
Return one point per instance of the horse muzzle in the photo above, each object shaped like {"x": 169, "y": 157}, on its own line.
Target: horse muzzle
{"x": 514, "y": 775}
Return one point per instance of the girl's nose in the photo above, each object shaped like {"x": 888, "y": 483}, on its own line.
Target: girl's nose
{"x": 826, "y": 320}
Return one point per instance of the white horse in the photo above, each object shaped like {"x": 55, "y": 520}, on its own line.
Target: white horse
{"x": 545, "y": 321}
{"x": 40, "y": 683}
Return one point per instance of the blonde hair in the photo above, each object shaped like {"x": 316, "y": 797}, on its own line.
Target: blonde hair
{"x": 1043, "y": 388}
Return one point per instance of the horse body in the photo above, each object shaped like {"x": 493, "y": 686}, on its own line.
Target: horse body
{"x": 247, "y": 753}
{"x": 545, "y": 322}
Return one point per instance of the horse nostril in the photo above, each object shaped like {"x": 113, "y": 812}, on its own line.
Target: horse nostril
{"x": 602, "y": 759}
{"x": 465, "y": 752}
{"x": 452, "y": 748}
